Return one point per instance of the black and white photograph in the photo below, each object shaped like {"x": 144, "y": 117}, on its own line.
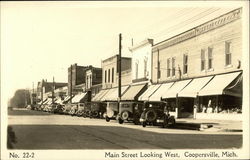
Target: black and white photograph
{"x": 152, "y": 80}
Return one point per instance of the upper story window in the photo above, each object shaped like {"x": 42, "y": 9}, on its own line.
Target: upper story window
{"x": 136, "y": 70}
{"x": 159, "y": 70}
{"x": 109, "y": 75}
{"x": 113, "y": 71}
{"x": 203, "y": 60}
{"x": 185, "y": 63}
{"x": 228, "y": 53}
{"x": 210, "y": 58}
{"x": 105, "y": 76}
{"x": 145, "y": 67}
{"x": 168, "y": 67}
{"x": 173, "y": 66}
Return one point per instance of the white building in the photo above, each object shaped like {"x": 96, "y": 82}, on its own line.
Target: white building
{"x": 141, "y": 61}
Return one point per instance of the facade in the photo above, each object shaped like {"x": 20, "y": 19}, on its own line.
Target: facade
{"x": 76, "y": 76}
{"x": 206, "y": 51}
{"x": 44, "y": 88}
{"x": 110, "y": 71}
{"x": 93, "y": 77}
{"x": 141, "y": 60}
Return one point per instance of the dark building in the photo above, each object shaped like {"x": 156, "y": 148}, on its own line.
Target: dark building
{"x": 76, "y": 76}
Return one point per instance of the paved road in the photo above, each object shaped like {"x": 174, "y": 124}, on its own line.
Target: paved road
{"x": 39, "y": 130}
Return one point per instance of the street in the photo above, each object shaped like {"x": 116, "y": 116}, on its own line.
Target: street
{"x": 41, "y": 130}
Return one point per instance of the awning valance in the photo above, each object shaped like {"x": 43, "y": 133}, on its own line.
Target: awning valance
{"x": 79, "y": 97}
{"x": 175, "y": 89}
{"x": 133, "y": 92}
{"x": 112, "y": 94}
{"x": 151, "y": 89}
{"x": 218, "y": 85}
{"x": 156, "y": 96}
{"x": 192, "y": 89}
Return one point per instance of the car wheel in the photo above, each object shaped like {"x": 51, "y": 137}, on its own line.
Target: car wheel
{"x": 144, "y": 124}
{"x": 107, "y": 119}
{"x": 120, "y": 121}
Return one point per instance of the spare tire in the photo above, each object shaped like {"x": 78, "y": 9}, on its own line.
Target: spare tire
{"x": 124, "y": 115}
{"x": 151, "y": 115}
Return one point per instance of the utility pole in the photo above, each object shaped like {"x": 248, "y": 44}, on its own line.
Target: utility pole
{"x": 53, "y": 87}
{"x": 119, "y": 70}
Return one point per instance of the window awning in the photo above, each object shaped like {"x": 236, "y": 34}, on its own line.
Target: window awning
{"x": 192, "y": 89}
{"x": 49, "y": 101}
{"x": 218, "y": 85}
{"x": 156, "y": 96}
{"x": 99, "y": 95}
{"x": 175, "y": 89}
{"x": 133, "y": 92}
{"x": 79, "y": 97}
{"x": 112, "y": 94}
{"x": 151, "y": 89}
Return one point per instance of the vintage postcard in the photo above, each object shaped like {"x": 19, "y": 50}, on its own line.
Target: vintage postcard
{"x": 121, "y": 80}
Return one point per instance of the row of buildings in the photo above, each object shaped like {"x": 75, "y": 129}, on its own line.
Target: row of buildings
{"x": 197, "y": 72}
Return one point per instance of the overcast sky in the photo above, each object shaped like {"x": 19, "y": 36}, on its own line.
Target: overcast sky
{"x": 40, "y": 40}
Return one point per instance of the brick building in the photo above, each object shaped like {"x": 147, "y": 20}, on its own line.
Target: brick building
{"x": 110, "y": 71}
{"x": 199, "y": 72}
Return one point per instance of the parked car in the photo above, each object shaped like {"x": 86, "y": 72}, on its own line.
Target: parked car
{"x": 73, "y": 109}
{"x": 111, "y": 111}
{"x": 97, "y": 110}
{"x": 130, "y": 111}
{"x": 58, "y": 109}
{"x": 157, "y": 115}
{"x": 67, "y": 108}
{"x": 80, "y": 109}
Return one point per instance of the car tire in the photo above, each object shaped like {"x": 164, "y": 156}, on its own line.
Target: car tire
{"x": 144, "y": 124}
{"x": 120, "y": 121}
{"x": 107, "y": 119}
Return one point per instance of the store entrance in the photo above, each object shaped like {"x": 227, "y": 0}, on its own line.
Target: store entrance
{"x": 186, "y": 107}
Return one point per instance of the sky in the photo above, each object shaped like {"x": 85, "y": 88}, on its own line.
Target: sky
{"x": 40, "y": 40}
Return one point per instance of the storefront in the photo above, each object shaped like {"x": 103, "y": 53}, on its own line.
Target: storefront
{"x": 97, "y": 105}
{"x": 176, "y": 105}
{"x": 221, "y": 98}
{"x": 130, "y": 108}
{"x": 188, "y": 96}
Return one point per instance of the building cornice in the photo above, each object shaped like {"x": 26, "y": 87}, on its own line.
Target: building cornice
{"x": 141, "y": 44}
{"x": 201, "y": 29}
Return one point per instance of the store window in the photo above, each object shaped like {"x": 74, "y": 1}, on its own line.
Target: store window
{"x": 228, "y": 53}
{"x": 210, "y": 58}
{"x": 203, "y": 60}
{"x": 185, "y": 63}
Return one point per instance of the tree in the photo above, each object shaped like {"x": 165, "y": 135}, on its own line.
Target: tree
{"x": 21, "y": 98}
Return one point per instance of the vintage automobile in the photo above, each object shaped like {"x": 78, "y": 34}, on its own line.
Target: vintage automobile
{"x": 97, "y": 110}
{"x": 73, "y": 109}
{"x": 130, "y": 111}
{"x": 67, "y": 108}
{"x": 58, "y": 109}
{"x": 111, "y": 111}
{"x": 157, "y": 114}
{"x": 80, "y": 110}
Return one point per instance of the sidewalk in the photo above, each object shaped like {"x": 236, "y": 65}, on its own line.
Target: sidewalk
{"x": 209, "y": 125}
